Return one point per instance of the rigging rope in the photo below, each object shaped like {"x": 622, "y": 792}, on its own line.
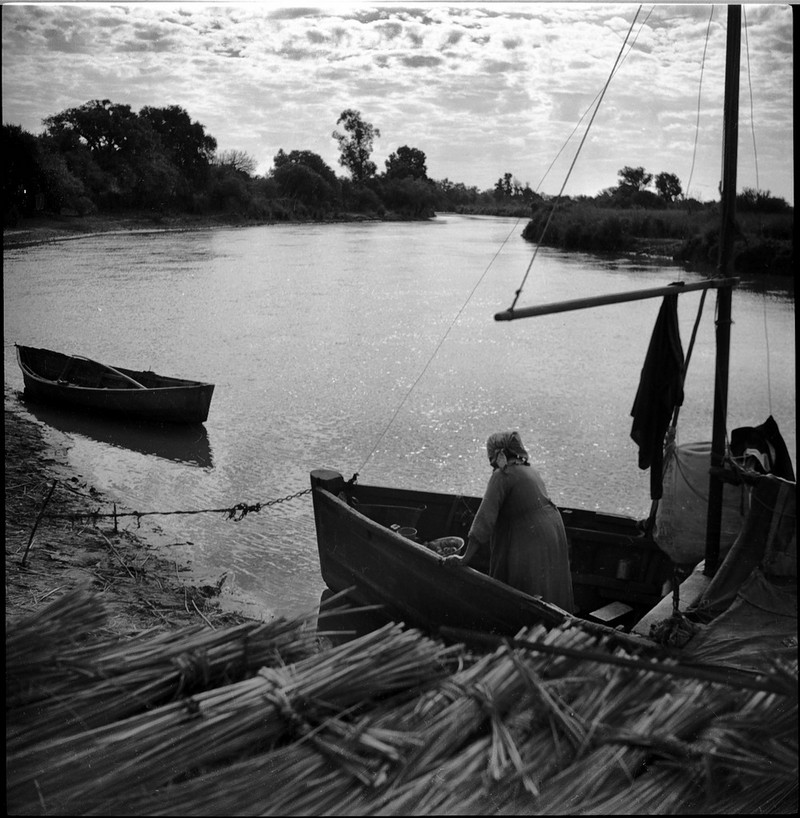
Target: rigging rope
{"x": 574, "y": 160}
{"x": 758, "y": 188}
{"x": 699, "y": 92}
{"x": 750, "y": 86}
{"x": 437, "y": 348}
{"x": 589, "y": 107}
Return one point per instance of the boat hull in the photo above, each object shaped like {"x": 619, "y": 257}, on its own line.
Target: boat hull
{"x": 360, "y": 553}
{"x": 65, "y": 381}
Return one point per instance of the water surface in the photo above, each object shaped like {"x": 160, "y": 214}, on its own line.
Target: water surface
{"x": 368, "y": 348}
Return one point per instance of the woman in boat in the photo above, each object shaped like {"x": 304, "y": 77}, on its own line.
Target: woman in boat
{"x": 522, "y": 527}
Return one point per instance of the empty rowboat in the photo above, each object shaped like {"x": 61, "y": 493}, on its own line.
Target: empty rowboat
{"x": 81, "y": 383}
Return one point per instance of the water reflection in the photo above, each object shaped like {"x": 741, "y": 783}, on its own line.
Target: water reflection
{"x": 182, "y": 444}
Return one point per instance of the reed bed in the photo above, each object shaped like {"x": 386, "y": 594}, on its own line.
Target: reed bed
{"x": 397, "y": 723}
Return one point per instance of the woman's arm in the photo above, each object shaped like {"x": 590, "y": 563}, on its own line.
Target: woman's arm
{"x": 455, "y": 559}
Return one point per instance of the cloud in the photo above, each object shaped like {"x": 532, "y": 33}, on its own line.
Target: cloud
{"x": 482, "y": 89}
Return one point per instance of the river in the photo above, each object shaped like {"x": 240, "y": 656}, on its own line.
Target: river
{"x": 368, "y": 348}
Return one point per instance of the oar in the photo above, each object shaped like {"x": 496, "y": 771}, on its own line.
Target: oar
{"x": 116, "y": 371}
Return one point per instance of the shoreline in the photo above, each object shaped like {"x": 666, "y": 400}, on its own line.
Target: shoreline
{"x": 143, "y": 590}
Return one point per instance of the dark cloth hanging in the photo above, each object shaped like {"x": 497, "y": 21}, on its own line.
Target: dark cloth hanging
{"x": 660, "y": 391}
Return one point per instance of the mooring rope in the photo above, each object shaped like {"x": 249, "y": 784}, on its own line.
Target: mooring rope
{"x": 236, "y": 512}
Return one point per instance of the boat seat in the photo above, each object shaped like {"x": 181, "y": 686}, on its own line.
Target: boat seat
{"x": 612, "y": 614}
{"x": 390, "y": 515}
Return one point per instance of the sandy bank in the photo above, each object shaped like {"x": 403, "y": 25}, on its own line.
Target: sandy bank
{"x": 142, "y": 589}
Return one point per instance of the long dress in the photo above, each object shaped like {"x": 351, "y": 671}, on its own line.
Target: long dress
{"x": 526, "y": 536}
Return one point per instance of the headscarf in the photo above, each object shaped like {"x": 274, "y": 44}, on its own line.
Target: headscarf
{"x": 504, "y": 448}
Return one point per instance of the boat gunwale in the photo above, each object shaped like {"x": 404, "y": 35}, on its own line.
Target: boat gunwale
{"x": 180, "y": 383}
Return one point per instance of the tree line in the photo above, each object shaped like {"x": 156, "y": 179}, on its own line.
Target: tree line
{"x": 105, "y": 158}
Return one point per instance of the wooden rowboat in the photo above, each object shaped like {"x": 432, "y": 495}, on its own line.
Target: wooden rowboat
{"x": 87, "y": 385}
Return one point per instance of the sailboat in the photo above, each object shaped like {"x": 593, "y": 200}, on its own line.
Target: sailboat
{"x": 383, "y": 545}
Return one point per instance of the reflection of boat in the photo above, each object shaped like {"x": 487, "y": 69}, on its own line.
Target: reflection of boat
{"x": 186, "y": 443}
{"x": 619, "y": 573}
{"x": 72, "y": 380}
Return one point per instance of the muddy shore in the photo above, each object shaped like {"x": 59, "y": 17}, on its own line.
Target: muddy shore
{"x": 48, "y": 556}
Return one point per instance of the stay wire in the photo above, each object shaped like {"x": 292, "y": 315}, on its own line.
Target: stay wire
{"x": 699, "y": 94}
{"x": 758, "y": 188}
{"x": 574, "y": 160}
{"x": 437, "y": 348}
{"x": 750, "y": 87}
{"x": 591, "y": 104}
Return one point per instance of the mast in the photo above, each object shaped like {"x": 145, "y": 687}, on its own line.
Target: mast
{"x": 723, "y": 325}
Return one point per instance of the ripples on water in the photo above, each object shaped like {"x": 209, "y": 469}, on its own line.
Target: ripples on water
{"x": 315, "y": 336}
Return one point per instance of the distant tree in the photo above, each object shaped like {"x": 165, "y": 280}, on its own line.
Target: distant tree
{"x": 503, "y": 187}
{"x": 636, "y": 178}
{"x": 309, "y": 159}
{"x": 21, "y": 176}
{"x": 760, "y": 201}
{"x": 668, "y": 186}
{"x": 409, "y": 197}
{"x": 63, "y": 189}
{"x": 236, "y": 160}
{"x": 454, "y": 194}
{"x": 185, "y": 142}
{"x": 406, "y": 162}
{"x": 355, "y": 145}
{"x": 304, "y": 176}
{"x": 110, "y": 148}
{"x": 103, "y": 127}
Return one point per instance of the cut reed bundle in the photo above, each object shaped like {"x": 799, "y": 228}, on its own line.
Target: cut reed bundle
{"x": 79, "y": 687}
{"x": 394, "y": 723}
{"x": 215, "y": 727}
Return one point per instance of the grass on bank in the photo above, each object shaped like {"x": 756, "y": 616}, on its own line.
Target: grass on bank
{"x": 763, "y": 244}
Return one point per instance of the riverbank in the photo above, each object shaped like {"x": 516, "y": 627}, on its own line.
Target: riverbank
{"x": 41, "y": 229}
{"x": 61, "y": 228}
{"x": 50, "y": 556}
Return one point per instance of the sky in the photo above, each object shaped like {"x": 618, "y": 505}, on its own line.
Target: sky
{"x": 482, "y": 89}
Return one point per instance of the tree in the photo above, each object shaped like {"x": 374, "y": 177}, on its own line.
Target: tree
{"x": 185, "y": 142}
{"x": 236, "y": 160}
{"x": 636, "y": 178}
{"x": 109, "y": 147}
{"x": 668, "y": 186}
{"x": 406, "y": 162}
{"x": 21, "y": 174}
{"x": 355, "y": 145}
{"x": 308, "y": 158}
{"x": 760, "y": 201}
{"x": 304, "y": 175}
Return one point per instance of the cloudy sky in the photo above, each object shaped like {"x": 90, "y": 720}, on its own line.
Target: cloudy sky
{"x": 483, "y": 89}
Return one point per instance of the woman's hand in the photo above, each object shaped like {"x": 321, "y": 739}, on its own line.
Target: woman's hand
{"x": 452, "y": 561}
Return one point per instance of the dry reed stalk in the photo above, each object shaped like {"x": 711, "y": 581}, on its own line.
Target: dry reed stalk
{"x": 216, "y": 726}
{"x": 86, "y": 686}
{"x": 367, "y": 738}
{"x": 286, "y": 781}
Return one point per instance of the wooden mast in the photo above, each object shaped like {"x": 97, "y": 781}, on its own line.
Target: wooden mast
{"x": 723, "y": 326}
